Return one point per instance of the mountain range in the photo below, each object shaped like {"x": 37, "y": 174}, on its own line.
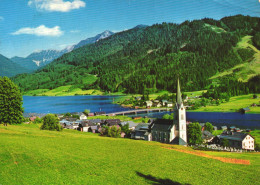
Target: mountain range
{"x": 9, "y": 68}
{"x": 146, "y": 59}
{"x": 41, "y": 58}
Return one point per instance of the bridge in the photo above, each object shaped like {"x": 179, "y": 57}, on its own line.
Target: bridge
{"x": 136, "y": 111}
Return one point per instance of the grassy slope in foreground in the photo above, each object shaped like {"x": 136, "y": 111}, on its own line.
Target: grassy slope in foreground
{"x": 235, "y": 103}
{"x": 31, "y": 156}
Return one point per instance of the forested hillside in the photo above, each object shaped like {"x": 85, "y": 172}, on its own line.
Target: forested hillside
{"x": 9, "y": 68}
{"x": 150, "y": 58}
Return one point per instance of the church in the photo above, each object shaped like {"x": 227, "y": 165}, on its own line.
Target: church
{"x": 172, "y": 131}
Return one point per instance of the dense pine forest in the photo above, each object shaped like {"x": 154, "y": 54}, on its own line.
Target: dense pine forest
{"x": 152, "y": 57}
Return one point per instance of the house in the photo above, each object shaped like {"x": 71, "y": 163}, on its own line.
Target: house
{"x": 95, "y": 121}
{"x": 156, "y": 103}
{"x": 84, "y": 127}
{"x": 90, "y": 114}
{"x": 164, "y": 102}
{"x": 141, "y": 132}
{"x": 82, "y": 116}
{"x": 64, "y": 123}
{"x": 232, "y": 128}
{"x": 131, "y": 124}
{"x": 94, "y": 129}
{"x": 112, "y": 122}
{"x": 238, "y": 140}
{"x": 215, "y": 128}
{"x": 75, "y": 126}
{"x": 223, "y": 127}
{"x": 32, "y": 118}
{"x": 207, "y": 136}
{"x": 169, "y": 104}
{"x": 244, "y": 110}
{"x": 149, "y": 104}
{"x": 71, "y": 119}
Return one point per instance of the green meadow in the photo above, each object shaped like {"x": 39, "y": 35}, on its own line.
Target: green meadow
{"x": 235, "y": 103}
{"x": 32, "y": 156}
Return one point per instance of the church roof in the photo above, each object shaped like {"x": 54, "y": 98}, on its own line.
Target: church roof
{"x": 162, "y": 125}
{"x": 178, "y": 95}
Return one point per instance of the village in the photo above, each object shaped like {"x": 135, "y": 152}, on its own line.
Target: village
{"x": 173, "y": 129}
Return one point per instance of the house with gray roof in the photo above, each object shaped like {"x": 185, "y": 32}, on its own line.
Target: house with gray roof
{"x": 141, "y": 131}
{"x": 238, "y": 140}
{"x": 207, "y": 136}
{"x": 131, "y": 124}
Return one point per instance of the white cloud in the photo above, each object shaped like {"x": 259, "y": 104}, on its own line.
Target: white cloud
{"x": 57, "y": 5}
{"x": 40, "y": 31}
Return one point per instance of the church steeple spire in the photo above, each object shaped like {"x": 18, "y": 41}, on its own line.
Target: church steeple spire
{"x": 178, "y": 95}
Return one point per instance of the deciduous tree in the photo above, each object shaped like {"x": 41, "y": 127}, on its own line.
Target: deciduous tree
{"x": 51, "y": 122}
{"x": 194, "y": 133}
{"x": 11, "y": 110}
{"x": 209, "y": 127}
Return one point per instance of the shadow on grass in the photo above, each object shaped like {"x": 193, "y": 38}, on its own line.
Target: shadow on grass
{"x": 158, "y": 181}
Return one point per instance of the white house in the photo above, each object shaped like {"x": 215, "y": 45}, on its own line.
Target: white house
{"x": 149, "y": 103}
{"x": 238, "y": 140}
{"x": 82, "y": 116}
{"x": 169, "y": 104}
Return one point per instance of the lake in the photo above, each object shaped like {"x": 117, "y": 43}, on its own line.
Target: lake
{"x": 63, "y": 104}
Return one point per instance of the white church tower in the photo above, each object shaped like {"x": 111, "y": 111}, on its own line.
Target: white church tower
{"x": 180, "y": 117}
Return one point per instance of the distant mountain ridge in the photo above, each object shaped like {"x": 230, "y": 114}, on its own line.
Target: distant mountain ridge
{"x": 92, "y": 40}
{"x": 9, "y": 68}
{"x": 41, "y": 58}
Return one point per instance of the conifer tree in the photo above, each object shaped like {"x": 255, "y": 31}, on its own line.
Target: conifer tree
{"x": 11, "y": 110}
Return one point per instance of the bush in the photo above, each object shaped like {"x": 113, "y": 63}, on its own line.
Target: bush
{"x": 37, "y": 120}
{"x": 110, "y": 131}
{"x": 51, "y": 122}
{"x": 209, "y": 127}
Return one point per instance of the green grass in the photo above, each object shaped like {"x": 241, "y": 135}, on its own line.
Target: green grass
{"x": 67, "y": 90}
{"x": 256, "y": 135}
{"x": 217, "y": 132}
{"x": 215, "y": 28}
{"x": 235, "y": 103}
{"x": 31, "y": 156}
{"x": 247, "y": 69}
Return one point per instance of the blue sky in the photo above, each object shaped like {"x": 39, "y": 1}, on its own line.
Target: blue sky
{"x": 31, "y": 25}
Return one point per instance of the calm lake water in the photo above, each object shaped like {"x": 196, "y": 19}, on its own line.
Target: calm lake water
{"x": 63, "y": 104}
